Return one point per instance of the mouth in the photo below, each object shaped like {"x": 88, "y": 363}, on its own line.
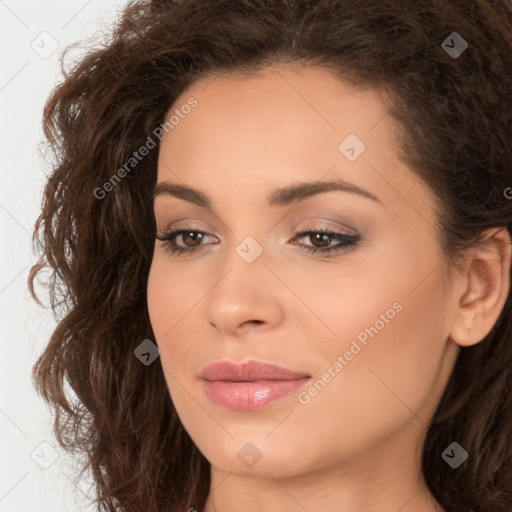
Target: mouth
{"x": 250, "y": 385}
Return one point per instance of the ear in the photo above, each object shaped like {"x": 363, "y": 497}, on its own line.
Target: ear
{"x": 485, "y": 285}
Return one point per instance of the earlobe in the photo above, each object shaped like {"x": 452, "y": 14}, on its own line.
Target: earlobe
{"x": 486, "y": 288}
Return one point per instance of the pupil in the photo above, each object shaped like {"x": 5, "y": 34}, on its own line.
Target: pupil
{"x": 196, "y": 237}
{"x": 324, "y": 239}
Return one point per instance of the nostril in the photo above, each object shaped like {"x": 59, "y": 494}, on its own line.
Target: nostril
{"x": 253, "y": 322}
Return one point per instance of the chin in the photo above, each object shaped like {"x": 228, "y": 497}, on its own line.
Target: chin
{"x": 257, "y": 456}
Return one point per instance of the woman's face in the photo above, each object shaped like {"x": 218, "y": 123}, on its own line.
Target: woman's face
{"x": 365, "y": 328}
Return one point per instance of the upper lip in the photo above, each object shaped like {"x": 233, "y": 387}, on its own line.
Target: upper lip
{"x": 248, "y": 371}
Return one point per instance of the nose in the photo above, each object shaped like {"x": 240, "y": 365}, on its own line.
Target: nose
{"x": 248, "y": 295}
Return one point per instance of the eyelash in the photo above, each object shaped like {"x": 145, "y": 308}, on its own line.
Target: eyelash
{"x": 346, "y": 241}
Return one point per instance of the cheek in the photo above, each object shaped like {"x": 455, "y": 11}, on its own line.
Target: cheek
{"x": 390, "y": 329}
{"x": 156, "y": 298}
{"x": 393, "y": 354}
{"x": 175, "y": 340}
{"x": 171, "y": 298}
{"x": 390, "y": 382}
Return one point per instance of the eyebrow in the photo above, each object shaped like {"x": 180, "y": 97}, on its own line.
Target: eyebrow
{"x": 278, "y": 198}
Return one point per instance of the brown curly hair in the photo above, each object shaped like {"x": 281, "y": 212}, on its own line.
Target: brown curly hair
{"x": 455, "y": 117}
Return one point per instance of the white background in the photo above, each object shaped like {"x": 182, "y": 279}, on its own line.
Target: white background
{"x": 26, "y": 80}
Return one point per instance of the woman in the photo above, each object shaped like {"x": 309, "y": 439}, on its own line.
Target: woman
{"x": 281, "y": 234}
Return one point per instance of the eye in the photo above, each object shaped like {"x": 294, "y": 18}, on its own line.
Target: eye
{"x": 187, "y": 233}
{"x": 321, "y": 237}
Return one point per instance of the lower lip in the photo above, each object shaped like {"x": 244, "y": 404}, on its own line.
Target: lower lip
{"x": 248, "y": 396}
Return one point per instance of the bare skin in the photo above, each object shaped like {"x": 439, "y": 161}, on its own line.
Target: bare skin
{"x": 354, "y": 445}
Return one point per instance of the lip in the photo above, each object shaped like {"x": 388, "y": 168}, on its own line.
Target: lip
{"x": 249, "y": 385}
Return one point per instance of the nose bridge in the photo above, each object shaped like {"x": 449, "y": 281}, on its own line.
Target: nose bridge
{"x": 245, "y": 290}
{"x": 250, "y": 249}
{"x": 244, "y": 262}
{"x": 246, "y": 234}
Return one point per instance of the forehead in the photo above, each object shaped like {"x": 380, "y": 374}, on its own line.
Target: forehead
{"x": 282, "y": 111}
{"x": 283, "y": 124}
{"x": 278, "y": 107}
